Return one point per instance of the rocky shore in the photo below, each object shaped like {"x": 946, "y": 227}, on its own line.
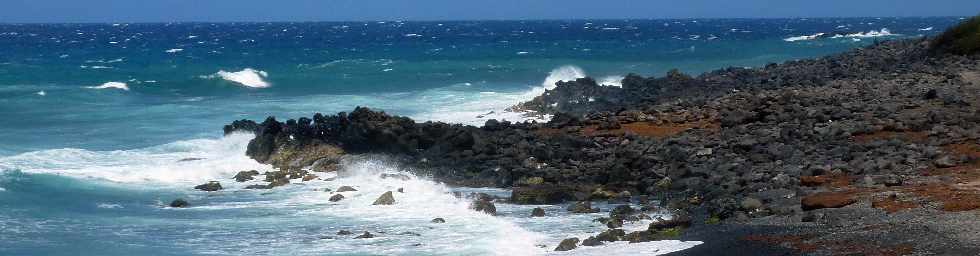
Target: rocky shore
{"x": 875, "y": 151}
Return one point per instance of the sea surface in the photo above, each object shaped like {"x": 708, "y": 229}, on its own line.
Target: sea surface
{"x": 96, "y": 118}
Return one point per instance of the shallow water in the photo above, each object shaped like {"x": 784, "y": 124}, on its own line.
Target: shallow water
{"x": 97, "y": 116}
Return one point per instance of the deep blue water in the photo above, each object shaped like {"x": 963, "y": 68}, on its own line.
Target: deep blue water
{"x": 87, "y": 165}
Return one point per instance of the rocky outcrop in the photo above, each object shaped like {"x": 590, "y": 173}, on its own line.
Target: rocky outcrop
{"x": 484, "y": 205}
{"x": 179, "y": 203}
{"x": 336, "y": 198}
{"x": 567, "y": 244}
{"x": 244, "y": 176}
{"x": 210, "y": 186}
{"x": 537, "y": 212}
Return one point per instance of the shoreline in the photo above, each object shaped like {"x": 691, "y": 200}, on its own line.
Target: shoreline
{"x": 875, "y": 151}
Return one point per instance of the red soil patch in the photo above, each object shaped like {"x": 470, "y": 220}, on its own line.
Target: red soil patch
{"x": 892, "y": 205}
{"x": 833, "y": 181}
{"x": 916, "y": 137}
{"x": 953, "y": 199}
{"x": 970, "y": 149}
{"x": 806, "y": 244}
{"x": 827, "y": 200}
{"x": 647, "y": 129}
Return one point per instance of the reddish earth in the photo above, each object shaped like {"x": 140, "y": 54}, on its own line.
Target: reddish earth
{"x": 808, "y": 244}
{"x": 917, "y": 137}
{"x": 833, "y": 181}
{"x": 827, "y": 200}
{"x": 893, "y": 205}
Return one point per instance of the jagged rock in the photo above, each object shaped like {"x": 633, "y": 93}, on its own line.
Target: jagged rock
{"x": 678, "y": 219}
{"x": 438, "y": 220}
{"x": 336, "y": 198}
{"x": 537, "y": 212}
{"x": 567, "y": 244}
{"x": 244, "y": 176}
{"x": 485, "y": 206}
{"x": 365, "y": 235}
{"x": 385, "y": 199}
{"x": 210, "y": 186}
{"x": 345, "y": 189}
{"x": 344, "y": 233}
{"x": 179, "y": 203}
{"x": 582, "y": 207}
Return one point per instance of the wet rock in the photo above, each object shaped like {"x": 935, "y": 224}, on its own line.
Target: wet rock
{"x": 257, "y": 186}
{"x": 614, "y": 223}
{"x": 344, "y": 233}
{"x": 189, "y": 159}
{"x": 484, "y": 206}
{"x": 309, "y": 177}
{"x": 621, "y": 212}
{"x": 385, "y": 199}
{"x": 438, "y": 220}
{"x": 567, "y": 244}
{"x": 591, "y": 241}
{"x": 611, "y": 235}
{"x": 210, "y": 186}
{"x": 336, "y": 198}
{"x": 365, "y": 235}
{"x": 401, "y": 190}
{"x": 278, "y": 183}
{"x": 582, "y": 207}
{"x": 678, "y": 219}
{"x": 345, "y": 189}
{"x": 244, "y": 176}
{"x": 397, "y": 176}
{"x": 537, "y": 212}
{"x": 179, "y": 203}
{"x": 541, "y": 194}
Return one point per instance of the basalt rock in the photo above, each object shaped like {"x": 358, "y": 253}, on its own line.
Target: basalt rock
{"x": 567, "y": 244}
{"x": 537, "y": 212}
{"x": 582, "y": 207}
{"x": 485, "y": 206}
{"x": 345, "y": 189}
{"x": 336, "y": 198}
{"x": 210, "y": 186}
{"x": 385, "y": 199}
{"x": 179, "y": 203}
{"x": 244, "y": 176}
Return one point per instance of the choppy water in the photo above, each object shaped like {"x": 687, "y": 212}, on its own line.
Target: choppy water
{"x": 96, "y": 116}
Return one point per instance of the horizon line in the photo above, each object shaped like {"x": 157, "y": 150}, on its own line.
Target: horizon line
{"x": 466, "y": 20}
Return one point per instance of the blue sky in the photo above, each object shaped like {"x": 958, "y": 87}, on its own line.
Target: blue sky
{"x": 346, "y": 10}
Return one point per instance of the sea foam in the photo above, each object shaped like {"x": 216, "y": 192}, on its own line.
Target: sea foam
{"x": 111, "y": 85}
{"x": 804, "y": 38}
{"x": 248, "y": 77}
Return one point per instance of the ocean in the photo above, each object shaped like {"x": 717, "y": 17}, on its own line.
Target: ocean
{"x": 96, "y": 119}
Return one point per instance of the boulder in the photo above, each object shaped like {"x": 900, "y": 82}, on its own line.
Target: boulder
{"x": 336, "y": 198}
{"x": 438, "y": 220}
{"x": 385, "y": 199}
{"x": 567, "y": 244}
{"x": 210, "y": 186}
{"x": 537, "y": 212}
{"x": 678, "y": 219}
{"x": 582, "y": 207}
{"x": 257, "y": 186}
{"x": 751, "y": 204}
{"x": 244, "y": 176}
{"x": 345, "y": 189}
{"x": 344, "y": 233}
{"x": 179, "y": 203}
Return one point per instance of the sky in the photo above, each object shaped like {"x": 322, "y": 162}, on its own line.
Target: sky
{"x": 19, "y": 11}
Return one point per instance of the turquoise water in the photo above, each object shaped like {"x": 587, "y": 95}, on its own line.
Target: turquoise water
{"x": 97, "y": 116}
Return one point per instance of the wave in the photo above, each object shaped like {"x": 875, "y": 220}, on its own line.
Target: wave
{"x": 220, "y": 159}
{"x": 248, "y": 77}
{"x": 616, "y": 81}
{"x": 563, "y": 73}
{"x": 873, "y": 33}
{"x": 111, "y": 85}
{"x": 926, "y": 29}
{"x": 174, "y": 50}
{"x": 804, "y": 38}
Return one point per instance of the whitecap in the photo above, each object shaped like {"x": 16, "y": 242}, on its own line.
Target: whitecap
{"x": 174, "y": 50}
{"x": 111, "y": 85}
{"x": 247, "y": 77}
{"x": 41, "y": 93}
{"x": 109, "y": 206}
{"x": 413, "y": 35}
{"x": 563, "y": 73}
{"x": 873, "y": 33}
{"x": 926, "y": 29}
{"x": 523, "y": 53}
{"x": 803, "y": 38}
{"x": 615, "y": 81}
